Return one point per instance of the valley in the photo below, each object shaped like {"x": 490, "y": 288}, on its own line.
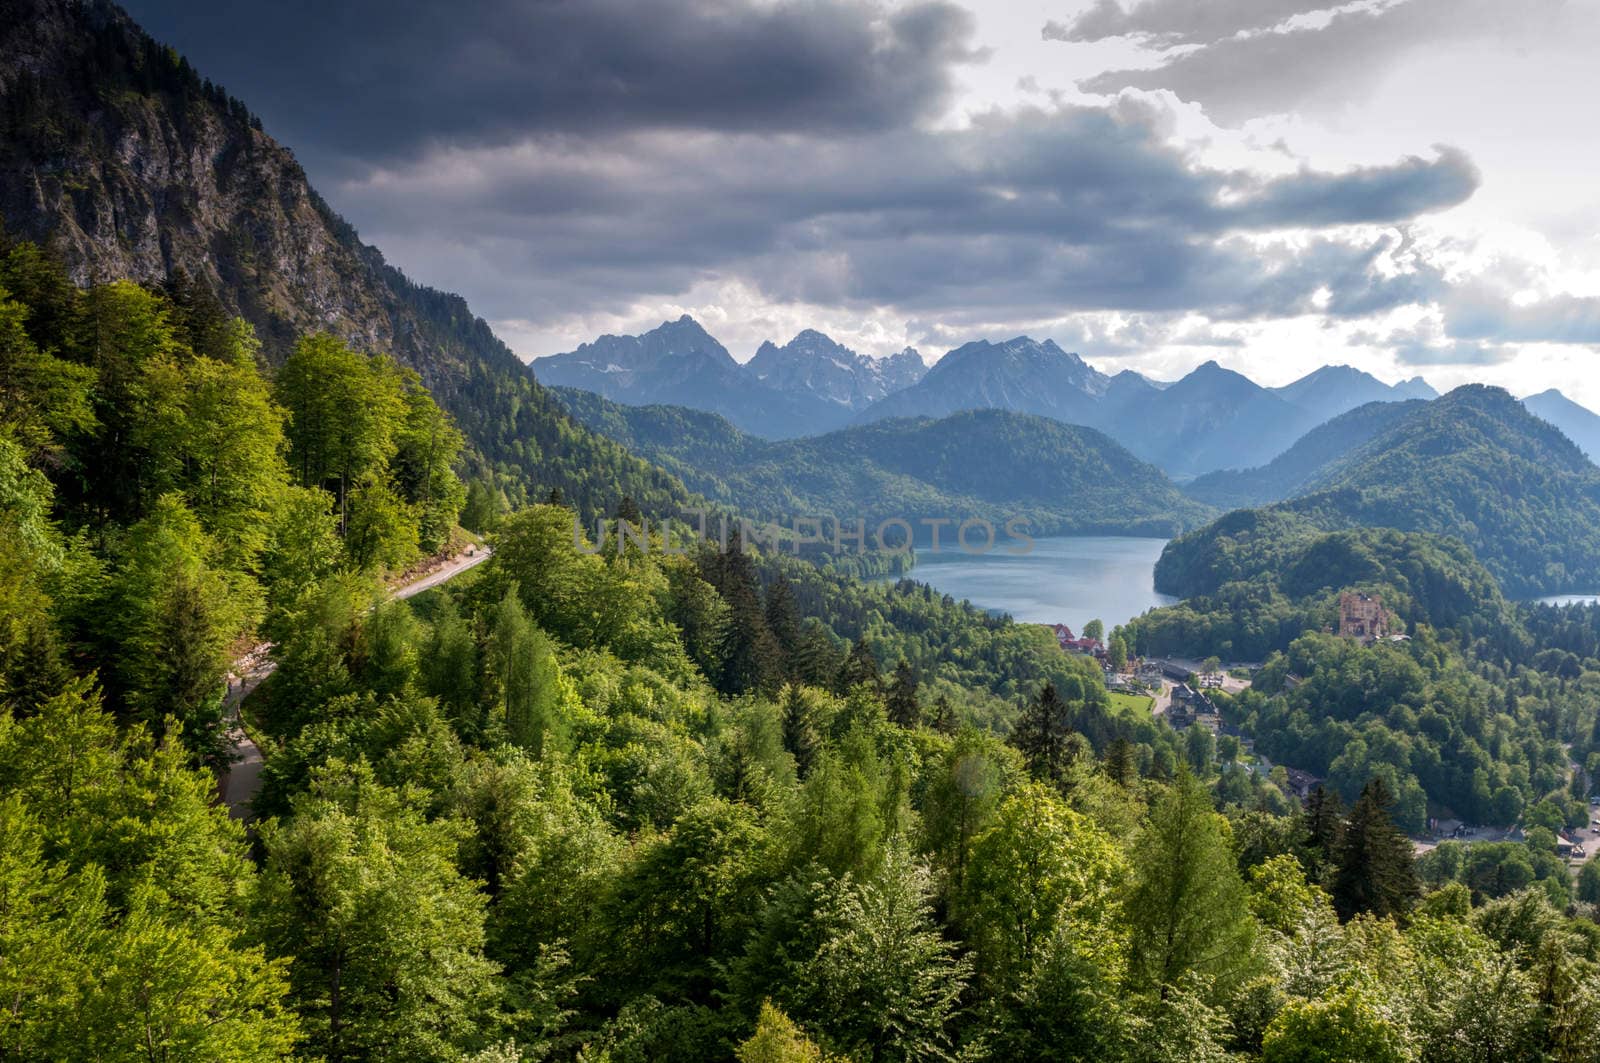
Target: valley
{"x": 1267, "y": 727}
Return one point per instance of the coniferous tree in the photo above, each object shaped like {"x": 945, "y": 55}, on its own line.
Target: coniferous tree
{"x": 1120, "y": 764}
{"x": 783, "y": 620}
{"x": 1376, "y": 871}
{"x": 1188, "y": 908}
{"x": 860, "y": 667}
{"x": 750, "y": 657}
{"x": 1321, "y": 822}
{"x": 816, "y": 660}
{"x": 944, "y": 715}
{"x": 1043, "y": 735}
{"x": 904, "y": 710}
{"x": 799, "y": 733}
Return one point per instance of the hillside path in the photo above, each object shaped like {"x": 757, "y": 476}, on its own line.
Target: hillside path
{"x": 238, "y": 785}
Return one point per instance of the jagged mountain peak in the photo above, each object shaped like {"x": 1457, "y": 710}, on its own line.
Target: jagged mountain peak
{"x": 816, "y": 364}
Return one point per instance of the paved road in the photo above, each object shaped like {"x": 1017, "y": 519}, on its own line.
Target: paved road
{"x": 239, "y": 784}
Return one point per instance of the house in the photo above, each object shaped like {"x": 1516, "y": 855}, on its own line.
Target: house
{"x": 1362, "y": 617}
{"x": 1189, "y": 707}
{"x": 1063, "y": 634}
{"x": 1302, "y": 782}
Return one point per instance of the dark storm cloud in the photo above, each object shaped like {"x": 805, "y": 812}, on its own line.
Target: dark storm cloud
{"x": 1236, "y": 78}
{"x": 384, "y": 80}
{"x": 1174, "y": 22}
{"x": 1037, "y": 213}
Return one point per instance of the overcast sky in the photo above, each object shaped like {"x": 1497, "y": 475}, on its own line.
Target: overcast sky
{"x": 1408, "y": 186}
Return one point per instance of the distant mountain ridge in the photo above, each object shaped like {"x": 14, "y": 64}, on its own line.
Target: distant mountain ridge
{"x": 1312, "y": 455}
{"x": 1576, "y": 422}
{"x": 1336, "y": 389}
{"x": 991, "y": 464}
{"x": 809, "y": 386}
{"x": 814, "y": 364}
{"x": 1211, "y": 419}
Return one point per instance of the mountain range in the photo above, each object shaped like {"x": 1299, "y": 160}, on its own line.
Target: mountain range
{"x": 1211, "y": 419}
{"x": 808, "y": 386}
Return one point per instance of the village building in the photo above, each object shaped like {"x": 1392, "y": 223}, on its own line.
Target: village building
{"x": 1189, "y": 708}
{"x": 1362, "y": 617}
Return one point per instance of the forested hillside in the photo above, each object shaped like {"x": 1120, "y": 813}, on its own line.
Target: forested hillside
{"x": 117, "y": 155}
{"x": 994, "y": 465}
{"x": 1475, "y": 465}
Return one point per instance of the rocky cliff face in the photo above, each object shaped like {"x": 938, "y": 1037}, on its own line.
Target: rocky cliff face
{"x": 117, "y": 154}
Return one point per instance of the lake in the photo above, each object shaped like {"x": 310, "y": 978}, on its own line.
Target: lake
{"x": 1571, "y": 599}
{"x": 1069, "y": 580}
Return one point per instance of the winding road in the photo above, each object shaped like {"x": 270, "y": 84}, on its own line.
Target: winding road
{"x": 237, "y": 786}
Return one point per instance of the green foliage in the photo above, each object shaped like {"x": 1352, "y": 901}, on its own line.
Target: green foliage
{"x": 385, "y": 933}
{"x": 1188, "y": 905}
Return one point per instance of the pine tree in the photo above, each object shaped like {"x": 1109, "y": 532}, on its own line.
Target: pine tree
{"x": 1320, "y": 823}
{"x": 944, "y": 716}
{"x": 904, "y": 709}
{"x": 1043, "y": 734}
{"x": 1375, "y": 870}
{"x": 628, "y": 510}
{"x": 750, "y": 657}
{"x": 783, "y": 621}
{"x": 1120, "y": 765}
{"x": 860, "y": 666}
{"x": 799, "y": 735}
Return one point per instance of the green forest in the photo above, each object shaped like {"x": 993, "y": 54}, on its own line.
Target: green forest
{"x": 994, "y": 465}
{"x": 639, "y": 805}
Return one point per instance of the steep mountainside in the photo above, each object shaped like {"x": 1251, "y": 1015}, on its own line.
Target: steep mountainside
{"x": 813, "y": 364}
{"x": 1475, "y": 465}
{"x": 1312, "y": 455}
{"x": 1577, "y": 423}
{"x": 118, "y": 156}
{"x": 680, "y": 363}
{"x": 992, "y": 464}
{"x": 1021, "y": 374}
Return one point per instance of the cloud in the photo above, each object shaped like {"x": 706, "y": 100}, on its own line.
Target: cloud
{"x": 1303, "y": 67}
{"x": 1426, "y": 344}
{"x": 388, "y": 80}
{"x": 1174, "y": 22}
{"x": 1031, "y": 214}
{"x": 1473, "y": 313}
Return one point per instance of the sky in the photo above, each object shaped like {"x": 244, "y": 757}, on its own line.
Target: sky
{"x": 1407, "y": 186}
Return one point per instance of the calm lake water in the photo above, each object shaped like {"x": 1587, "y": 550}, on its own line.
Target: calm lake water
{"x": 1571, "y": 599}
{"x": 1069, "y": 580}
